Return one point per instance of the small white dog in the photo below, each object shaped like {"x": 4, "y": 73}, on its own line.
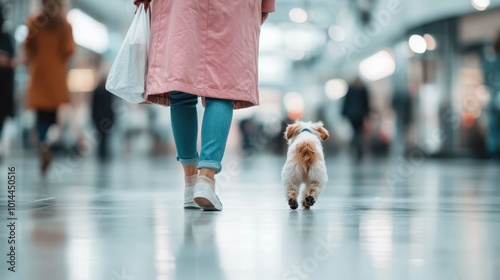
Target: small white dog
{"x": 305, "y": 162}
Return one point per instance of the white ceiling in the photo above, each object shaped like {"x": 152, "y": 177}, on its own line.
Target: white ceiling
{"x": 117, "y": 14}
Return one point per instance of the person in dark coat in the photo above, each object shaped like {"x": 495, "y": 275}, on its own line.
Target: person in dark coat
{"x": 6, "y": 75}
{"x": 103, "y": 117}
{"x": 356, "y": 109}
{"x": 402, "y": 105}
{"x": 491, "y": 71}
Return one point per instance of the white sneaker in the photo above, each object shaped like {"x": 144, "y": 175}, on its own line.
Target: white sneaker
{"x": 204, "y": 194}
{"x": 188, "y": 192}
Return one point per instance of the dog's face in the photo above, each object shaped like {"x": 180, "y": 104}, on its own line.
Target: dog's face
{"x": 293, "y": 130}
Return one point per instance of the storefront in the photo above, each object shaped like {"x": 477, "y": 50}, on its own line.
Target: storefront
{"x": 445, "y": 79}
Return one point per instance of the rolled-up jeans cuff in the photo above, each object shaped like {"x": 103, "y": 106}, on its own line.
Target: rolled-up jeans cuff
{"x": 210, "y": 164}
{"x": 189, "y": 161}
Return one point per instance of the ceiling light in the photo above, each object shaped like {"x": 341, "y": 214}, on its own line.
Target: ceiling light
{"x": 480, "y": 5}
{"x": 378, "y": 66}
{"x": 430, "y": 41}
{"x": 298, "y": 15}
{"x": 294, "y": 104}
{"x": 336, "y": 88}
{"x": 417, "y": 44}
{"x": 88, "y": 32}
{"x": 337, "y": 33}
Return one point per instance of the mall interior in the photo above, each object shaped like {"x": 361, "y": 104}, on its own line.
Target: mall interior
{"x": 413, "y": 189}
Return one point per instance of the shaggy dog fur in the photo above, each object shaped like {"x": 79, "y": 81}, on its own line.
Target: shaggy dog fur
{"x": 305, "y": 163}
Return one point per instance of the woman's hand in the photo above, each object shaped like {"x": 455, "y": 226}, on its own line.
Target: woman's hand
{"x": 145, "y": 2}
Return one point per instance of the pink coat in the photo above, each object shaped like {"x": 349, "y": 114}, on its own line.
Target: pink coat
{"x": 206, "y": 47}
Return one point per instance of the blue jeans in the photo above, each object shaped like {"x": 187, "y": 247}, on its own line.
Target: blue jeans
{"x": 214, "y": 131}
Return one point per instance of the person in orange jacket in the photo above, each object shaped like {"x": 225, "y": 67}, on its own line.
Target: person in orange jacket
{"x": 48, "y": 48}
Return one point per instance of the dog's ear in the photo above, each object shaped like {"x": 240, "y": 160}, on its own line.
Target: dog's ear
{"x": 292, "y": 130}
{"x": 323, "y": 133}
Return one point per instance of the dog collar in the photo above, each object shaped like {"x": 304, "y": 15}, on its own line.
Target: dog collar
{"x": 306, "y": 130}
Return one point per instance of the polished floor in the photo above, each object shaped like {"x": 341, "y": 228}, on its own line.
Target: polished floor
{"x": 384, "y": 219}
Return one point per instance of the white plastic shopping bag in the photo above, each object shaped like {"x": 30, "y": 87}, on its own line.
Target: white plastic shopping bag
{"x": 127, "y": 77}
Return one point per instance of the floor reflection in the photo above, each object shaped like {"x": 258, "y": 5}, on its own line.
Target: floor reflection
{"x": 48, "y": 238}
{"x": 125, "y": 221}
{"x": 198, "y": 256}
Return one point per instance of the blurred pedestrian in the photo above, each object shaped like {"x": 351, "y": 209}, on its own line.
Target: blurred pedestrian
{"x": 217, "y": 60}
{"x": 250, "y": 130}
{"x": 6, "y": 77}
{"x": 48, "y": 48}
{"x": 402, "y": 104}
{"x": 103, "y": 116}
{"x": 356, "y": 109}
{"x": 492, "y": 81}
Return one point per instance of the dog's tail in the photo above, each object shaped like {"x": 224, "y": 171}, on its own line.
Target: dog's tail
{"x": 307, "y": 155}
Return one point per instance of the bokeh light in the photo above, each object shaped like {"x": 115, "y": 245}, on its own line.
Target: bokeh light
{"x": 21, "y": 33}
{"x": 417, "y": 44}
{"x": 430, "y": 41}
{"x": 378, "y": 66}
{"x": 298, "y": 15}
{"x": 294, "y": 104}
{"x": 88, "y": 32}
{"x": 337, "y": 33}
{"x": 336, "y": 88}
{"x": 480, "y": 5}
{"x": 81, "y": 80}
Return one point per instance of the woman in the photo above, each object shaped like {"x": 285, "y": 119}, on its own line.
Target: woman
{"x": 356, "y": 109}
{"x": 6, "y": 76}
{"x": 103, "y": 116}
{"x": 491, "y": 71}
{"x": 207, "y": 49}
{"x": 48, "y": 48}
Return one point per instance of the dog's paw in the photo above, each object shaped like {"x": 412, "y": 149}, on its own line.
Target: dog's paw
{"x": 293, "y": 204}
{"x": 309, "y": 201}
{"x": 304, "y": 203}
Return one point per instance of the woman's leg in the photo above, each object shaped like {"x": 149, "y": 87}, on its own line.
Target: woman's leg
{"x": 185, "y": 128}
{"x": 2, "y": 119}
{"x": 492, "y": 142}
{"x": 497, "y": 136}
{"x": 214, "y": 133}
{"x": 42, "y": 127}
{"x": 44, "y": 119}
